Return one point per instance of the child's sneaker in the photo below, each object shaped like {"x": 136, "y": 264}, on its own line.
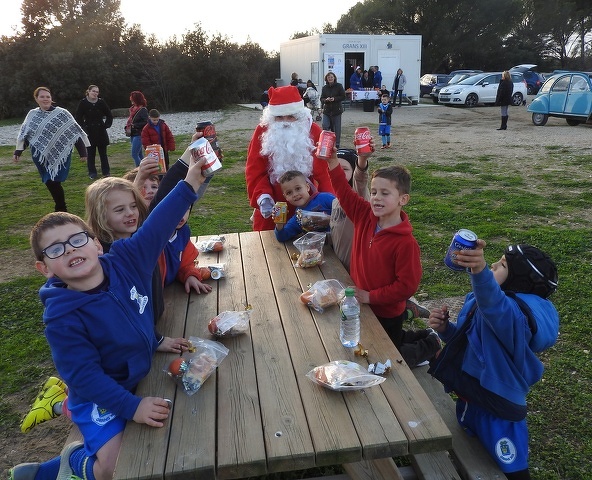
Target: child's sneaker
{"x": 42, "y": 409}
{"x": 384, "y": 146}
{"x": 416, "y": 311}
{"x": 23, "y": 471}
{"x": 65, "y": 472}
{"x": 388, "y": 145}
{"x": 53, "y": 381}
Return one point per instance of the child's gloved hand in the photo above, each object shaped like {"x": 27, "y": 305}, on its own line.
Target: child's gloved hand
{"x": 266, "y": 207}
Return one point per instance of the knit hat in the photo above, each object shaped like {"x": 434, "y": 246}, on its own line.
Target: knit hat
{"x": 284, "y": 101}
{"x": 349, "y": 155}
{"x": 529, "y": 271}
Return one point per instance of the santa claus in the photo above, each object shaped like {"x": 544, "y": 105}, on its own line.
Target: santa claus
{"x": 284, "y": 140}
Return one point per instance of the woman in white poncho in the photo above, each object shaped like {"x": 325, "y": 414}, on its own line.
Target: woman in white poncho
{"x": 51, "y": 132}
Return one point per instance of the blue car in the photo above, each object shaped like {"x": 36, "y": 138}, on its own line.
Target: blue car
{"x": 565, "y": 95}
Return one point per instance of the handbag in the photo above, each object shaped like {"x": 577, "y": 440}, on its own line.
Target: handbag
{"x": 128, "y": 130}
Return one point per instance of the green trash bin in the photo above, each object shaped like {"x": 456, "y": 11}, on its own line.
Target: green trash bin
{"x": 368, "y": 105}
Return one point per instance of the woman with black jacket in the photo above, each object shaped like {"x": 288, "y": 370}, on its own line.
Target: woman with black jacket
{"x": 94, "y": 116}
{"x": 504, "y": 97}
{"x": 332, "y": 95}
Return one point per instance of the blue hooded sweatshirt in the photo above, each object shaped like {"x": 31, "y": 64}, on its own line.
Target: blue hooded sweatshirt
{"x": 102, "y": 343}
{"x": 501, "y": 345}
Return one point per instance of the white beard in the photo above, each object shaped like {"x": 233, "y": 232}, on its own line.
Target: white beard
{"x": 288, "y": 146}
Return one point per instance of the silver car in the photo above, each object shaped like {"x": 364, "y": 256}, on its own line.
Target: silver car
{"x": 482, "y": 88}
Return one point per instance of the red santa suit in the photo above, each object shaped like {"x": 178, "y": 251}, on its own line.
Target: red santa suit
{"x": 283, "y": 101}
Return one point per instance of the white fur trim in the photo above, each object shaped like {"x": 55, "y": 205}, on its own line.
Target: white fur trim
{"x": 285, "y": 108}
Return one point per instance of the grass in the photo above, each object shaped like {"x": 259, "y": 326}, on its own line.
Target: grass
{"x": 548, "y": 206}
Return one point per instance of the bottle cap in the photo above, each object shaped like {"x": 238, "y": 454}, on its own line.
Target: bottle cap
{"x": 349, "y": 292}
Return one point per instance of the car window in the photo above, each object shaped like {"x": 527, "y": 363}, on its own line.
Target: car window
{"x": 578, "y": 84}
{"x": 471, "y": 80}
{"x": 562, "y": 84}
{"x": 516, "y": 77}
{"x": 491, "y": 79}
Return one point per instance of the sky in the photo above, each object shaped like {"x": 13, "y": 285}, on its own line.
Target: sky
{"x": 265, "y": 22}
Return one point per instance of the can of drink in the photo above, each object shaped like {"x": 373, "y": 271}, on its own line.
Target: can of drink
{"x": 203, "y": 148}
{"x": 362, "y": 138}
{"x": 157, "y": 152}
{"x": 462, "y": 240}
{"x": 280, "y": 212}
{"x": 209, "y": 132}
{"x": 325, "y": 145}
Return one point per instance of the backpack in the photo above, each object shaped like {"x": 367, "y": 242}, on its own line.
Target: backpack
{"x": 452, "y": 376}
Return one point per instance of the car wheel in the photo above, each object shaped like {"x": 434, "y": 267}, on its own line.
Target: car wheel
{"x": 572, "y": 122}
{"x": 472, "y": 100}
{"x": 435, "y": 99}
{"x": 517, "y": 99}
{"x": 539, "y": 119}
{"x": 530, "y": 90}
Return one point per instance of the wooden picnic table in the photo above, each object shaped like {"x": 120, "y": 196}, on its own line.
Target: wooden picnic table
{"x": 259, "y": 413}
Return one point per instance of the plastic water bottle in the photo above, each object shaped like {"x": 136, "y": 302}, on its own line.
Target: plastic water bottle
{"x": 349, "y": 330}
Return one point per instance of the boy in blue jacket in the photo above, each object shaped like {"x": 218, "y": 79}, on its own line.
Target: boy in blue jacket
{"x": 490, "y": 359}
{"x": 297, "y": 192}
{"x": 385, "y": 112}
{"x": 100, "y": 327}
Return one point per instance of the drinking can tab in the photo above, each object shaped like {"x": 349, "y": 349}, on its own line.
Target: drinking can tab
{"x": 462, "y": 240}
{"x": 362, "y": 138}
{"x": 202, "y": 148}
{"x": 157, "y": 152}
{"x": 209, "y": 132}
{"x": 325, "y": 145}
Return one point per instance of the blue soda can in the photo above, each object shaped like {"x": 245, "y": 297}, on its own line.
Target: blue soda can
{"x": 462, "y": 240}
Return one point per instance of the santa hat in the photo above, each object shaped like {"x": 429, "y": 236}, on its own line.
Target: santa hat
{"x": 284, "y": 101}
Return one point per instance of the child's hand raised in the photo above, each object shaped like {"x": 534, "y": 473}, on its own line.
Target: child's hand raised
{"x": 473, "y": 259}
{"x": 194, "y": 176}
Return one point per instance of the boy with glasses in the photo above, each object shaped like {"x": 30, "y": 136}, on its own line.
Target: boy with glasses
{"x": 100, "y": 327}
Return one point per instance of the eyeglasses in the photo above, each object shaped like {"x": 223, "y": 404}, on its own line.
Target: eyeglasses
{"x": 56, "y": 250}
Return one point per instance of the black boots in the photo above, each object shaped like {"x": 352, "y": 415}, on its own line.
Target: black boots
{"x": 57, "y": 193}
{"x": 504, "y": 125}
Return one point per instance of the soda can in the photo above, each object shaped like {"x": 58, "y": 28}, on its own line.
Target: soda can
{"x": 462, "y": 240}
{"x": 203, "y": 148}
{"x": 157, "y": 152}
{"x": 209, "y": 132}
{"x": 362, "y": 138}
{"x": 325, "y": 145}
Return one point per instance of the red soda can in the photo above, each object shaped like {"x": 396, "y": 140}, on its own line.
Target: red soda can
{"x": 325, "y": 145}
{"x": 362, "y": 140}
{"x": 209, "y": 132}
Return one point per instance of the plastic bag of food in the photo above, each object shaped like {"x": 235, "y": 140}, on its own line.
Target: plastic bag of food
{"x": 195, "y": 366}
{"x": 230, "y": 323}
{"x": 342, "y": 375}
{"x": 313, "y": 221}
{"x": 310, "y": 246}
{"x": 213, "y": 244}
{"x": 323, "y": 294}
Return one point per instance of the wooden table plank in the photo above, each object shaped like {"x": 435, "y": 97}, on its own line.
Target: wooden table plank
{"x": 287, "y": 439}
{"x": 241, "y": 448}
{"x": 190, "y": 450}
{"x": 369, "y": 408}
{"x": 149, "y": 461}
{"x": 333, "y": 434}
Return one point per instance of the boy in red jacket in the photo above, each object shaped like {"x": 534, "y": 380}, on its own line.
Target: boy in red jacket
{"x": 157, "y": 132}
{"x": 385, "y": 258}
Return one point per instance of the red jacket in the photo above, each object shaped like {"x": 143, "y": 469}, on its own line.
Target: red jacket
{"x": 257, "y": 177}
{"x": 150, "y": 136}
{"x": 387, "y": 264}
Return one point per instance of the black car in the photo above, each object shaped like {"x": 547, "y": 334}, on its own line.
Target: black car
{"x": 456, "y": 76}
{"x": 534, "y": 80}
{"x": 427, "y": 82}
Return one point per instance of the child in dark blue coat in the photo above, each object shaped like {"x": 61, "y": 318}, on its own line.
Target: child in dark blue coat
{"x": 490, "y": 359}
{"x": 385, "y": 111}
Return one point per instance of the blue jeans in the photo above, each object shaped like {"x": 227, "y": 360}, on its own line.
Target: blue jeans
{"x": 137, "y": 150}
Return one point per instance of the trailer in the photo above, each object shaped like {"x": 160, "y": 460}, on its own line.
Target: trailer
{"x": 314, "y": 56}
